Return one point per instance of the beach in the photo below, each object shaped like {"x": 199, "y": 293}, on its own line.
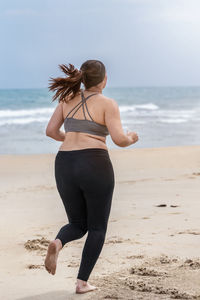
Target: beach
{"x": 152, "y": 246}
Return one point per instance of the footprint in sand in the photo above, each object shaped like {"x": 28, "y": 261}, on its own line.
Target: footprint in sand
{"x": 142, "y": 271}
{"x": 35, "y": 266}
{"x": 193, "y": 264}
{"x": 141, "y": 286}
{"x": 37, "y": 244}
{"x": 189, "y": 232}
{"x": 112, "y": 296}
{"x": 135, "y": 257}
{"x": 73, "y": 264}
{"x": 164, "y": 259}
{"x": 116, "y": 240}
{"x": 165, "y": 205}
{"x": 138, "y": 285}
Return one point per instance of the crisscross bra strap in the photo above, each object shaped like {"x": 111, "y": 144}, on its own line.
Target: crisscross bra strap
{"x": 84, "y": 102}
{"x": 81, "y": 103}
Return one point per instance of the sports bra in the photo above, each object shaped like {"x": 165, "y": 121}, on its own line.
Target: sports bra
{"x": 84, "y": 125}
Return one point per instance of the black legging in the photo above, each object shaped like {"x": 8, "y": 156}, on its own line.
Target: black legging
{"x": 85, "y": 181}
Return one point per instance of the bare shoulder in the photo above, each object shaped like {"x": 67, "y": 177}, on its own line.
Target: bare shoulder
{"x": 108, "y": 102}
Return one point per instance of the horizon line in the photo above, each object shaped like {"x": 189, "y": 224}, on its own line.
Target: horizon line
{"x": 133, "y": 86}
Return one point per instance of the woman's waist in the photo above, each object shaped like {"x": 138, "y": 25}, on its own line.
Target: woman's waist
{"x": 82, "y": 142}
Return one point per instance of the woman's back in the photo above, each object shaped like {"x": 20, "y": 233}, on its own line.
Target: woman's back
{"x": 95, "y": 103}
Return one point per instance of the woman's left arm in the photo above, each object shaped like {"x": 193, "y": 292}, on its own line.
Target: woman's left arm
{"x": 56, "y": 121}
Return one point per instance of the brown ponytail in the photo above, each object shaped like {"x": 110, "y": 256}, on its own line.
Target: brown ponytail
{"x": 67, "y": 86}
{"x": 91, "y": 73}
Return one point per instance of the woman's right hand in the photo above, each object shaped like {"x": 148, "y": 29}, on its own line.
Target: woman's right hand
{"x": 133, "y": 137}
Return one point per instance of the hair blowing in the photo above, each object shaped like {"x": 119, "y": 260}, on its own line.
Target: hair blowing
{"x": 91, "y": 73}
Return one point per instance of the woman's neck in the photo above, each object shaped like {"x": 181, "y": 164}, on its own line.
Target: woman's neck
{"x": 95, "y": 90}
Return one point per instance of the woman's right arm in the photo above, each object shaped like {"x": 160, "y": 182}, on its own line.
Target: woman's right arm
{"x": 113, "y": 123}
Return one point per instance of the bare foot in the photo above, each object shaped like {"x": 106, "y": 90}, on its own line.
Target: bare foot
{"x": 84, "y": 287}
{"x": 52, "y": 255}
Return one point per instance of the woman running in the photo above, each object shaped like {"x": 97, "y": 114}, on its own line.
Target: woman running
{"x": 83, "y": 169}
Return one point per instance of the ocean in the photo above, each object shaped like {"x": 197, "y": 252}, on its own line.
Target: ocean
{"x": 161, "y": 116}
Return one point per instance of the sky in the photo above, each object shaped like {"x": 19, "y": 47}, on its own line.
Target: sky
{"x": 141, "y": 42}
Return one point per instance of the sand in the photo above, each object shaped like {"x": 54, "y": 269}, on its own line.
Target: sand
{"x": 152, "y": 247}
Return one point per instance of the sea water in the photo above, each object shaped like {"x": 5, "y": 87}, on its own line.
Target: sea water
{"x": 161, "y": 116}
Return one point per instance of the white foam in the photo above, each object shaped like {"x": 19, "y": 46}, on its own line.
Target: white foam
{"x": 22, "y": 120}
{"x": 173, "y": 120}
{"x": 146, "y": 106}
{"x": 26, "y": 112}
{"x": 132, "y": 122}
{"x": 187, "y": 114}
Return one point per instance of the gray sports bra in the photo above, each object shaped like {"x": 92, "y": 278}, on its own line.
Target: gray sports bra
{"x": 84, "y": 125}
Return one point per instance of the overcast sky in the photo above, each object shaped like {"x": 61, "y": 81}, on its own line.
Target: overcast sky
{"x": 141, "y": 42}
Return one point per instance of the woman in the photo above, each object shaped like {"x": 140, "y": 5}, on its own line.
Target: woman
{"x": 83, "y": 169}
